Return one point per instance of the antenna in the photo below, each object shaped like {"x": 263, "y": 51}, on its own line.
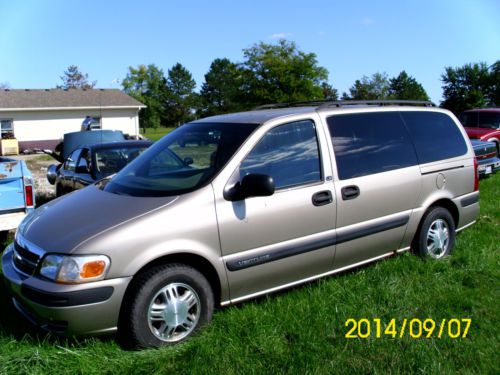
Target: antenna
{"x": 100, "y": 113}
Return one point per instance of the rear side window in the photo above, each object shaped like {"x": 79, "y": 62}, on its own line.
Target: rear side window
{"x": 369, "y": 143}
{"x": 288, "y": 153}
{"x": 435, "y": 135}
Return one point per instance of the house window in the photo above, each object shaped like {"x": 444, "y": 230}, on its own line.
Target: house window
{"x": 6, "y": 127}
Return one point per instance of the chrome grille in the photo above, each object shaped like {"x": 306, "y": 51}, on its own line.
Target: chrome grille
{"x": 24, "y": 260}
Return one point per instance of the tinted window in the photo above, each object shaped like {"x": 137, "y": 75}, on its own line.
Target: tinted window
{"x": 482, "y": 119}
{"x": 182, "y": 161}
{"x": 368, "y": 143}
{"x": 288, "y": 153}
{"x": 71, "y": 160}
{"x": 469, "y": 119}
{"x": 435, "y": 135}
{"x": 84, "y": 161}
{"x": 489, "y": 120}
{"x": 112, "y": 160}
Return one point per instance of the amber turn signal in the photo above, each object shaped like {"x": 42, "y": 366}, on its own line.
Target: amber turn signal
{"x": 93, "y": 269}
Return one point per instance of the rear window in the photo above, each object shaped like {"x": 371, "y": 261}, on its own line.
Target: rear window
{"x": 435, "y": 135}
{"x": 472, "y": 119}
{"x": 369, "y": 143}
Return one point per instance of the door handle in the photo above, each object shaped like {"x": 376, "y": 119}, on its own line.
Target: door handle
{"x": 350, "y": 192}
{"x": 321, "y": 198}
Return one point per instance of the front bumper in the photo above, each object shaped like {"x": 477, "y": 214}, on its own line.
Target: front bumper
{"x": 81, "y": 309}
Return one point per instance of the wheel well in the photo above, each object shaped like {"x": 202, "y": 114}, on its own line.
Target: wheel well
{"x": 450, "y": 206}
{"x": 445, "y": 203}
{"x": 199, "y": 263}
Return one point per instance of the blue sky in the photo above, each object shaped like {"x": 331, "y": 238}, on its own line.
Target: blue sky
{"x": 39, "y": 39}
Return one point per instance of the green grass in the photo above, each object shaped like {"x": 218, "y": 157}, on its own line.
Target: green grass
{"x": 302, "y": 331}
{"x": 155, "y": 134}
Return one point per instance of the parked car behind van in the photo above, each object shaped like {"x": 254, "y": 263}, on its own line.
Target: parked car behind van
{"x": 277, "y": 198}
{"x": 487, "y": 157}
{"x": 483, "y": 124}
{"x": 88, "y": 164}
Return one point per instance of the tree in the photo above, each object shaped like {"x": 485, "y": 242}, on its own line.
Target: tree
{"x": 469, "y": 86}
{"x": 181, "y": 100}
{"x": 405, "y": 87}
{"x": 329, "y": 92}
{"x": 147, "y": 84}
{"x": 74, "y": 79}
{"x": 494, "y": 90}
{"x": 280, "y": 73}
{"x": 375, "y": 87}
{"x": 221, "y": 91}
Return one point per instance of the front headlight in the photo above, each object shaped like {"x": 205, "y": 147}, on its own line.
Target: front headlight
{"x": 74, "y": 269}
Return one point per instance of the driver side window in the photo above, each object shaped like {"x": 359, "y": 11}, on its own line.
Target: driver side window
{"x": 70, "y": 162}
{"x": 84, "y": 161}
{"x": 288, "y": 153}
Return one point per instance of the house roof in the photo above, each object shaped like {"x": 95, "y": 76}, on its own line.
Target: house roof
{"x": 54, "y": 99}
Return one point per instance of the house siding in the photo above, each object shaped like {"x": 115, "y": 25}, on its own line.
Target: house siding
{"x": 46, "y": 128}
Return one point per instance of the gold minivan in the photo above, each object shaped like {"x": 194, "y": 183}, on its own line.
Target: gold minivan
{"x": 231, "y": 207}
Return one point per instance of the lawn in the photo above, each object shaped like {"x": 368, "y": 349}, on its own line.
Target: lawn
{"x": 302, "y": 331}
{"x": 155, "y": 134}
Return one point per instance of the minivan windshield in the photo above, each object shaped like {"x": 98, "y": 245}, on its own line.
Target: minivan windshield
{"x": 182, "y": 161}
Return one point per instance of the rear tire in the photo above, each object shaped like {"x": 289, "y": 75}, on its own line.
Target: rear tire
{"x": 165, "y": 305}
{"x": 436, "y": 237}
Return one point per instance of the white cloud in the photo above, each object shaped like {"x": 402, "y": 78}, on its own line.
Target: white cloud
{"x": 322, "y": 33}
{"x": 280, "y": 35}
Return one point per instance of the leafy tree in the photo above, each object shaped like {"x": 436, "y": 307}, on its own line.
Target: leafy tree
{"x": 405, "y": 87}
{"x": 329, "y": 93}
{"x": 220, "y": 93}
{"x": 74, "y": 79}
{"x": 147, "y": 84}
{"x": 375, "y": 87}
{"x": 181, "y": 100}
{"x": 280, "y": 73}
{"x": 469, "y": 86}
{"x": 494, "y": 91}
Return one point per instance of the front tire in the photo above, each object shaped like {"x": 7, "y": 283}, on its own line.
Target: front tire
{"x": 436, "y": 237}
{"x": 166, "y": 305}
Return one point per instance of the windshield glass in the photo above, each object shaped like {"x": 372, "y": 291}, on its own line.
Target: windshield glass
{"x": 184, "y": 160}
{"x": 108, "y": 161}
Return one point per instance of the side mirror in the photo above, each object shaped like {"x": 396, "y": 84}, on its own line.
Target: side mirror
{"x": 252, "y": 185}
{"x": 52, "y": 173}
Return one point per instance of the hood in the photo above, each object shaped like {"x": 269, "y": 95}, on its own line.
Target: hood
{"x": 61, "y": 225}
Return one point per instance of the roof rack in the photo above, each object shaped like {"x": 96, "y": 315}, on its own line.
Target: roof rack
{"x": 344, "y": 103}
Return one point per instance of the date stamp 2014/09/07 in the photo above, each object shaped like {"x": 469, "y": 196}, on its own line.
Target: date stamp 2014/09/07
{"x": 414, "y": 328}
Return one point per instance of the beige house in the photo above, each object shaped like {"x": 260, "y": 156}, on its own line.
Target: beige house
{"x": 40, "y": 118}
